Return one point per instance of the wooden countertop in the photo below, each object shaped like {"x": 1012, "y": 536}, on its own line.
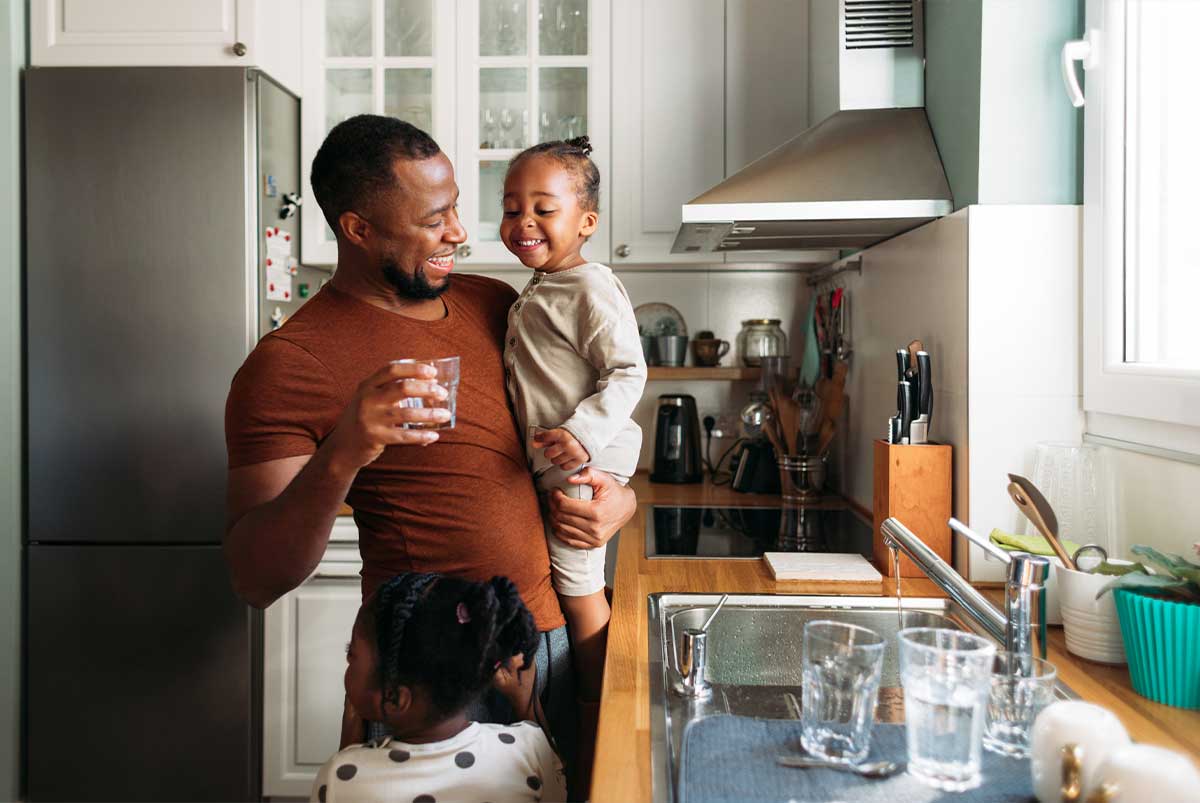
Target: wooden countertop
{"x": 622, "y": 766}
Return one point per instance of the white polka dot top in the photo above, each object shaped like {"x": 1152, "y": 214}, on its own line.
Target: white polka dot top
{"x": 485, "y": 763}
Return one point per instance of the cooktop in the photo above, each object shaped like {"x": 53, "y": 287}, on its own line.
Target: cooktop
{"x": 748, "y": 532}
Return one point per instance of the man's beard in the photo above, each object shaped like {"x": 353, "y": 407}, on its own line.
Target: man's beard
{"x": 412, "y": 288}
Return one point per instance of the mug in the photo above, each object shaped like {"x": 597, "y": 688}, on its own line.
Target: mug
{"x": 1094, "y": 731}
{"x": 1138, "y": 772}
{"x": 709, "y": 351}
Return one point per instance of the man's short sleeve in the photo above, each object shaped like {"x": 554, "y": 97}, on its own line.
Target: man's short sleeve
{"x": 283, "y": 402}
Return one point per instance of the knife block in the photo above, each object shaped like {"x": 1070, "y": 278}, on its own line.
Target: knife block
{"x": 913, "y": 484}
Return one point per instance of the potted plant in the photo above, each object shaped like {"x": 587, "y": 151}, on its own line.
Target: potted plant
{"x": 1159, "y": 612}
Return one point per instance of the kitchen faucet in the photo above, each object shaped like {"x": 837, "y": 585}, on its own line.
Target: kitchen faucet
{"x": 1022, "y": 624}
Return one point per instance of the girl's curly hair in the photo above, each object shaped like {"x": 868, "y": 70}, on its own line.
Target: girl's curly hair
{"x": 574, "y": 155}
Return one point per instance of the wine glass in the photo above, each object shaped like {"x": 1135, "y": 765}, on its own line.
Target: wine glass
{"x": 489, "y": 128}
{"x": 546, "y": 127}
{"x": 507, "y": 121}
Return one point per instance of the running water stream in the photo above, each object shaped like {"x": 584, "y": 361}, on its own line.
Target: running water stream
{"x": 895, "y": 550}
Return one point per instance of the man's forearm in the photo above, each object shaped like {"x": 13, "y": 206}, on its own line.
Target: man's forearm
{"x": 273, "y": 547}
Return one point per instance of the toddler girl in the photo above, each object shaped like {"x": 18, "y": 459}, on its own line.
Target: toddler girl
{"x": 574, "y": 366}
{"x": 423, "y": 649}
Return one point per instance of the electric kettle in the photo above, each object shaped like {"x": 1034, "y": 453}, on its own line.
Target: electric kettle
{"x": 677, "y": 440}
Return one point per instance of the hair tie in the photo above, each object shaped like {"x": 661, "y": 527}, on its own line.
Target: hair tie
{"x": 462, "y": 614}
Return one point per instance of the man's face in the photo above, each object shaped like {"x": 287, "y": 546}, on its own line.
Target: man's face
{"x": 416, "y": 229}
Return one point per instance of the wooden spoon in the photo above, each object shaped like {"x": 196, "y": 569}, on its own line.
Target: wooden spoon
{"x": 1029, "y": 500}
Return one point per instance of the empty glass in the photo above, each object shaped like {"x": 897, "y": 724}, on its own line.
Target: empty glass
{"x": 946, "y": 676}
{"x": 1015, "y": 700}
{"x": 842, "y": 665}
{"x": 1077, "y": 480}
{"x": 447, "y": 377}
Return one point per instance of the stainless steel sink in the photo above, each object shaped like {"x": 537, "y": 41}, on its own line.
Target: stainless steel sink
{"x": 753, "y": 663}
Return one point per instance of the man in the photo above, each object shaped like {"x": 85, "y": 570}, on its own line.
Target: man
{"x": 314, "y": 416}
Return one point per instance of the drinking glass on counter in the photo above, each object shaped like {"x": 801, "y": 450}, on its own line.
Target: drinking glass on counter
{"x": 447, "y": 376}
{"x": 1021, "y": 687}
{"x": 946, "y": 676}
{"x": 842, "y": 665}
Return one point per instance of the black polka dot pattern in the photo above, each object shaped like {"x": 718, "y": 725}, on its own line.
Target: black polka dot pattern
{"x": 464, "y": 759}
{"x": 424, "y": 799}
{"x": 347, "y": 771}
{"x": 399, "y": 755}
{"x": 507, "y": 738}
{"x": 321, "y": 793}
{"x": 535, "y": 783}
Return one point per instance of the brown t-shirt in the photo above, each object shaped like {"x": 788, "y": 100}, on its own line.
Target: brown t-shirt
{"x": 465, "y": 505}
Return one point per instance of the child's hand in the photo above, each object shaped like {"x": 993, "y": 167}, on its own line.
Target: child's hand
{"x": 515, "y": 682}
{"x": 561, "y": 448}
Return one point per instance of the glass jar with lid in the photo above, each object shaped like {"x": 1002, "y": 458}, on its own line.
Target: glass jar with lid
{"x": 761, "y": 337}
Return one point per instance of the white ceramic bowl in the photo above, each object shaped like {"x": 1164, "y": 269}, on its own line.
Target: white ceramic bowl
{"x": 1090, "y": 625}
{"x": 1096, "y": 730}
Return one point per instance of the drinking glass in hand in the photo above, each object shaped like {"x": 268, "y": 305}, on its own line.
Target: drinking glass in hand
{"x": 1021, "y": 687}
{"x": 842, "y": 666}
{"x": 447, "y": 377}
{"x": 946, "y": 675}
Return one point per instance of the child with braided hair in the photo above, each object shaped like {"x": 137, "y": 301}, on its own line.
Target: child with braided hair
{"x": 424, "y": 648}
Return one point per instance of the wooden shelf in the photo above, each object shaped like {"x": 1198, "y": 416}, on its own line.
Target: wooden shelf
{"x": 660, "y": 372}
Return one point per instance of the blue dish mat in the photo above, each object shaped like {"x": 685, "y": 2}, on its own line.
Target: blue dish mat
{"x": 729, "y": 758}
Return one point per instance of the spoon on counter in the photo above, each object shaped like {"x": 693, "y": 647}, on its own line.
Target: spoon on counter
{"x": 871, "y": 769}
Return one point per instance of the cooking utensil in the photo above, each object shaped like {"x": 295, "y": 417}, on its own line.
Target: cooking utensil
{"x": 871, "y": 769}
{"x": 1095, "y": 551}
{"x": 1029, "y": 500}
{"x": 904, "y": 401}
{"x": 924, "y": 391}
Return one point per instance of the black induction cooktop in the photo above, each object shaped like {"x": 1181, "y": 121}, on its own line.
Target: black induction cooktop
{"x": 748, "y": 532}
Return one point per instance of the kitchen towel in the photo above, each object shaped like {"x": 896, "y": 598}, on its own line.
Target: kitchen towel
{"x": 810, "y": 363}
{"x": 1033, "y": 544}
{"x": 728, "y": 758}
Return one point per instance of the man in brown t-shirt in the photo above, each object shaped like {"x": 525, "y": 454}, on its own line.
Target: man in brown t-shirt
{"x": 313, "y": 416}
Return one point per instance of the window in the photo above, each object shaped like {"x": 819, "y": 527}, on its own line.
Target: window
{"x": 1142, "y": 223}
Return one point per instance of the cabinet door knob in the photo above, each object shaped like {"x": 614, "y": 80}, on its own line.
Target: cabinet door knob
{"x": 624, "y": 250}
{"x": 239, "y": 49}
{"x": 464, "y": 251}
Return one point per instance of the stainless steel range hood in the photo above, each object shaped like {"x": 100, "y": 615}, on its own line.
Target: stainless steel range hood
{"x": 868, "y": 171}
{"x": 854, "y": 179}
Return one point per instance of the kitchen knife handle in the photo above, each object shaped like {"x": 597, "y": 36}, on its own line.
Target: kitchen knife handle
{"x": 901, "y": 364}
{"x": 906, "y": 407}
{"x": 925, "y": 383}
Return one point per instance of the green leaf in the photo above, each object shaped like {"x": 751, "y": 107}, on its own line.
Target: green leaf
{"x": 1118, "y": 569}
{"x": 1172, "y": 563}
{"x": 1135, "y": 581}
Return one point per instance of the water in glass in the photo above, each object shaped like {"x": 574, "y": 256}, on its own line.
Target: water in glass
{"x": 842, "y": 665}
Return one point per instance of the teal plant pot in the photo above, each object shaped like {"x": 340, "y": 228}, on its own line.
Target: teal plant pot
{"x": 1162, "y": 643}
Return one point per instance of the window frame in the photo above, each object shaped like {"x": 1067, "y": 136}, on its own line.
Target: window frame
{"x": 1146, "y": 404}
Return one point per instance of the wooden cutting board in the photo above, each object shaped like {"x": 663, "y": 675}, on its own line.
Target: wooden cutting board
{"x": 824, "y": 573}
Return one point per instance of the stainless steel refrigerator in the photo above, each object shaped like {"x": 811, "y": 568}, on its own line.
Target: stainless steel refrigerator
{"x": 149, "y": 193}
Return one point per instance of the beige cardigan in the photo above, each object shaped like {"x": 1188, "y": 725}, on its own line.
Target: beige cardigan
{"x": 573, "y": 359}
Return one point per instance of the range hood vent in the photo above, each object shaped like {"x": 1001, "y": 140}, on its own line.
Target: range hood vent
{"x": 878, "y": 24}
{"x": 855, "y": 179}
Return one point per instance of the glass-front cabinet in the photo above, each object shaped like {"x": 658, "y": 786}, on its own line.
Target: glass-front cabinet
{"x": 486, "y": 78}
{"x": 393, "y": 57}
{"x": 529, "y": 71}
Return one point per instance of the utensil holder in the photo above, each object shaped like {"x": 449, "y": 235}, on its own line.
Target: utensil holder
{"x": 913, "y": 483}
{"x": 801, "y": 477}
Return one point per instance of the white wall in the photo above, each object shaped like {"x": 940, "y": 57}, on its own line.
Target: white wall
{"x": 718, "y": 301}
{"x": 1159, "y": 506}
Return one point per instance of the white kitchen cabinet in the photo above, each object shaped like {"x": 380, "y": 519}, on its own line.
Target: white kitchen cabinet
{"x": 304, "y": 663}
{"x": 668, "y": 121}
{"x": 151, "y": 33}
{"x": 392, "y": 57}
{"x": 528, "y": 71}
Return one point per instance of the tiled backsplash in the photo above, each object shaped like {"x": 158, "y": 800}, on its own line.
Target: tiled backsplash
{"x": 715, "y": 300}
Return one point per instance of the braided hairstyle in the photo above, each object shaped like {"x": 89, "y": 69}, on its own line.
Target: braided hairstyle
{"x": 575, "y": 156}
{"x": 448, "y": 636}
